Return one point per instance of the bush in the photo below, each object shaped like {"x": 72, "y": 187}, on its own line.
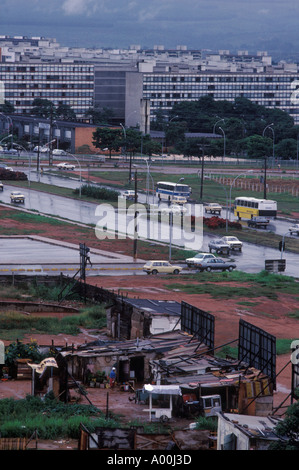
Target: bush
{"x": 12, "y": 175}
{"x": 97, "y": 192}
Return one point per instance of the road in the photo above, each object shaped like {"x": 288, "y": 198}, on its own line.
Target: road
{"x": 250, "y": 260}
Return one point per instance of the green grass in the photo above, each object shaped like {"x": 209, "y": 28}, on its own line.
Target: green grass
{"x": 50, "y": 418}
{"x": 264, "y": 284}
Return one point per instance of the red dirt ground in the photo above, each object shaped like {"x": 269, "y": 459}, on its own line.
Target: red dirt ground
{"x": 270, "y": 315}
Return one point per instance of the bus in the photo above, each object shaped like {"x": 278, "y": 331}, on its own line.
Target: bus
{"x": 173, "y": 192}
{"x": 248, "y": 207}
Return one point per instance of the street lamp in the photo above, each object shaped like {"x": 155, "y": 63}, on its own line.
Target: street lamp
{"x": 147, "y": 182}
{"x": 79, "y": 169}
{"x": 214, "y": 127}
{"x": 171, "y": 219}
{"x": 135, "y": 218}
{"x": 265, "y": 158}
{"x": 224, "y": 143}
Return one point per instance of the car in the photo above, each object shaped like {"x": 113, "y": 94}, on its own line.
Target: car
{"x": 5, "y": 167}
{"x": 198, "y": 258}
{"x": 219, "y": 246}
{"x": 233, "y": 242}
{"x": 174, "y": 208}
{"x": 65, "y": 166}
{"x": 258, "y": 222}
{"x": 9, "y": 151}
{"x": 155, "y": 267}
{"x": 129, "y": 194}
{"x": 1, "y": 186}
{"x": 16, "y": 196}
{"x": 40, "y": 149}
{"x": 213, "y": 208}
{"x": 59, "y": 152}
{"x": 294, "y": 229}
{"x": 216, "y": 264}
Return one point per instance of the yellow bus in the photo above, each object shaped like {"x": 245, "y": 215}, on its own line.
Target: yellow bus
{"x": 248, "y": 207}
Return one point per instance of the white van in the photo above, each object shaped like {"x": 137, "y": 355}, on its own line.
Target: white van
{"x": 178, "y": 200}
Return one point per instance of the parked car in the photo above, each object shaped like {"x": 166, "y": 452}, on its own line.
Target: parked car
{"x": 16, "y": 196}
{"x": 40, "y": 149}
{"x": 219, "y": 246}
{"x": 65, "y": 166}
{"x": 1, "y": 186}
{"x": 258, "y": 222}
{"x": 216, "y": 264}
{"x": 197, "y": 259}
{"x": 5, "y": 167}
{"x": 294, "y": 229}
{"x": 129, "y": 194}
{"x": 233, "y": 242}
{"x": 213, "y": 208}
{"x": 9, "y": 151}
{"x": 59, "y": 152}
{"x": 155, "y": 267}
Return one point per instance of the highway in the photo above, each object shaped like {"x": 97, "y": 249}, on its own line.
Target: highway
{"x": 251, "y": 259}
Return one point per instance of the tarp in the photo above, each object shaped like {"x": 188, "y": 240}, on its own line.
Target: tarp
{"x": 48, "y": 362}
{"x": 163, "y": 389}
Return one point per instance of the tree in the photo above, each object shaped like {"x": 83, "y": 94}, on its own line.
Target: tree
{"x": 286, "y": 149}
{"x": 43, "y": 108}
{"x": 107, "y": 138}
{"x": 7, "y": 108}
{"x": 258, "y": 146}
{"x": 100, "y": 117}
{"x": 288, "y": 429}
{"x": 65, "y": 112}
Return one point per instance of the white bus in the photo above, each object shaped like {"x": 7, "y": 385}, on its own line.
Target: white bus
{"x": 248, "y": 207}
{"x": 173, "y": 192}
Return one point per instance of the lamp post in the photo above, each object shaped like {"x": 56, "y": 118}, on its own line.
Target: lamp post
{"x": 147, "y": 182}
{"x": 265, "y": 158}
{"x": 171, "y": 220}
{"x": 224, "y": 143}
{"x": 135, "y": 218}
{"x": 9, "y": 121}
{"x": 79, "y": 169}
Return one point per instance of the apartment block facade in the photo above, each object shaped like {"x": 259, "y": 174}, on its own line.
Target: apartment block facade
{"x": 134, "y": 83}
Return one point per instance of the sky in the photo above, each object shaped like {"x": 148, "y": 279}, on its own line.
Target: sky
{"x": 253, "y": 25}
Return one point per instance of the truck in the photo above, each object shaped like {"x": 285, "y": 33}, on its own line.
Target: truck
{"x": 258, "y": 221}
{"x": 213, "y": 208}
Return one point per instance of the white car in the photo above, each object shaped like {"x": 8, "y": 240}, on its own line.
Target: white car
{"x": 65, "y": 166}
{"x": 174, "y": 208}
{"x": 59, "y": 152}
{"x": 129, "y": 194}
{"x": 233, "y": 242}
{"x": 5, "y": 167}
{"x": 155, "y": 267}
{"x": 198, "y": 259}
{"x": 16, "y": 196}
{"x": 294, "y": 229}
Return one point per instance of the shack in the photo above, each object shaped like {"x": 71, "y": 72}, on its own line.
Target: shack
{"x": 240, "y": 432}
{"x": 137, "y": 318}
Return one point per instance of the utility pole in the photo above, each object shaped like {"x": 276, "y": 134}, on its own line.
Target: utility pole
{"x": 265, "y": 177}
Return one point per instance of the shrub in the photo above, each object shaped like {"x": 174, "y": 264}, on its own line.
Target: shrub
{"x": 97, "y": 192}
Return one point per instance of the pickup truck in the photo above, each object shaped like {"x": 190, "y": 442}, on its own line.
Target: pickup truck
{"x": 258, "y": 222}
{"x": 294, "y": 229}
{"x": 213, "y": 208}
